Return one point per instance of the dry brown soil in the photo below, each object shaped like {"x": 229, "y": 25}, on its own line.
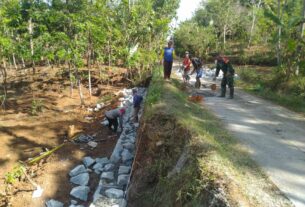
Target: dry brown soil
{"x": 24, "y": 136}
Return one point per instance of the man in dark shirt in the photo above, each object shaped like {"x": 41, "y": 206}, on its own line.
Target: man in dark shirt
{"x": 223, "y": 64}
{"x": 137, "y": 100}
{"x": 197, "y": 64}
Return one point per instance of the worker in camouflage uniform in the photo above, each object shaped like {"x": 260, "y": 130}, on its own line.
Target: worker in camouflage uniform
{"x": 224, "y": 64}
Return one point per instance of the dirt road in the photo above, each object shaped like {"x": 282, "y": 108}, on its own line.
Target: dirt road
{"x": 274, "y": 136}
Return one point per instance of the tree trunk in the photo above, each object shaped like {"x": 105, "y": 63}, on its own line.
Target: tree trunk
{"x": 30, "y": 28}
{"x": 109, "y": 54}
{"x": 279, "y": 33}
{"x": 4, "y": 74}
{"x": 303, "y": 15}
{"x": 89, "y": 65}
{"x": 14, "y": 61}
{"x": 80, "y": 92}
{"x": 71, "y": 79}
{"x": 253, "y": 21}
{"x": 224, "y": 36}
{"x": 23, "y": 64}
{"x": 79, "y": 84}
{"x": 297, "y": 71}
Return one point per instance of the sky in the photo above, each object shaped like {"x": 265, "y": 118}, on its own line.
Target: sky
{"x": 187, "y": 8}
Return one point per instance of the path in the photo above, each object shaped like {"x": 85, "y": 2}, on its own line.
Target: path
{"x": 274, "y": 136}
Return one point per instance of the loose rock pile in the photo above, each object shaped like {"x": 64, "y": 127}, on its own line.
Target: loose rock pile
{"x": 114, "y": 172}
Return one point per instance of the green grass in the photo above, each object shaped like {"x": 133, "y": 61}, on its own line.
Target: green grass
{"x": 266, "y": 84}
{"x": 216, "y": 159}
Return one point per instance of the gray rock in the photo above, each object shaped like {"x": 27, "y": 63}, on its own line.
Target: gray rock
{"x": 84, "y": 138}
{"x": 77, "y": 170}
{"x": 126, "y": 155}
{"x": 129, "y": 146}
{"x": 123, "y": 179}
{"x": 108, "y": 176}
{"x": 123, "y": 203}
{"x": 108, "y": 167}
{"x": 132, "y": 140}
{"x": 124, "y": 170}
{"x": 114, "y": 193}
{"x": 103, "y": 161}
{"x": 128, "y": 163}
{"x": 106, "y": 186}
{"x": 118, "y": 148}
{"x": 88, "y": 161}
{"x": 81, "y": 179}
{"x": 115, "y": 158}
{"x": 98, "y": 172}
{"x": 97, "y": 193}
{"x": 54, "y": 203}
{"x": 97, "y": 166}
{"x": 80, "y": 192}
{"x": 73, "y": 202}
{"x": 76, "y": 205}
{"x": 105, "y": 202}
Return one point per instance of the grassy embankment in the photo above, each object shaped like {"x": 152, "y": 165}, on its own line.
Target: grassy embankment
{"x": 268, "y": 84}
{"x": 218, "y": 169}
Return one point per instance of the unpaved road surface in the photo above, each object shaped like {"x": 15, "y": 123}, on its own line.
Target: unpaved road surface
{"x": 274, "y": 136}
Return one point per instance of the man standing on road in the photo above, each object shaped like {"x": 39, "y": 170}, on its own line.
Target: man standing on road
{"x": 223, "y": 64}
{"x": 168, "y": 55}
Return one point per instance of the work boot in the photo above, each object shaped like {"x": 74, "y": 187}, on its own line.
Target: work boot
{"x": 231, "y": 93}
{"x": 223, "y": 93}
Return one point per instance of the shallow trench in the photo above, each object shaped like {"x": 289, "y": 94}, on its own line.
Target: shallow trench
{"x": 165, "y": 166}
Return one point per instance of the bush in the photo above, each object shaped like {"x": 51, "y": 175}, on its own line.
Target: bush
{"x": 36, "y": 106}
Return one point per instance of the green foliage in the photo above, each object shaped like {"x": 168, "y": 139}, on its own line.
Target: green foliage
{"x": 272, "y": 84}
{"x": 36, "y": 107}
{"x": 14, "y": 175}
{"x": 71, "y": 31}
{"x": 155, "y": 90}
